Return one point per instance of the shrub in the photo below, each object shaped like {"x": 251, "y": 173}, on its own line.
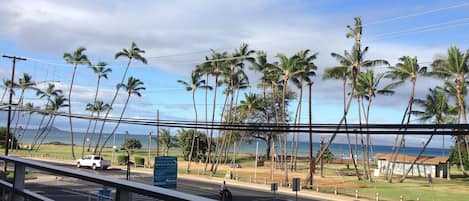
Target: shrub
{"x": 3, "y": 133}
{"x": 121, "y": 159}
{"x": 139, "y": 161}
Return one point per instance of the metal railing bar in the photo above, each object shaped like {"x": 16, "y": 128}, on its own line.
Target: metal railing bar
{"x": 134, "y": 187}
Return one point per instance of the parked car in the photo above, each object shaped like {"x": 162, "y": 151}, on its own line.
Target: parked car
{"x": 93, "y": 161}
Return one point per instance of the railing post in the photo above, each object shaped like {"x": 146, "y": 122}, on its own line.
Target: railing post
{"x": 18, "y": 181}
{"x": 123, "y": 195}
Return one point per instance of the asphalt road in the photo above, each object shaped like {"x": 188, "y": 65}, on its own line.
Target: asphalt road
{"x": 71, "y": 189}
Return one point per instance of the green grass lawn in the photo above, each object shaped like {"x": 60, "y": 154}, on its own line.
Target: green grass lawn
{"x": 456, "y": 189}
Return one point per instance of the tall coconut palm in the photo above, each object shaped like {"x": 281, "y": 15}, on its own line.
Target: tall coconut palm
{"x": 99, "y": 107}
{"x": 342, "y": 72}
{"x": 435, "y": 107}
{"x": 368, "y": 87}
{"x": 100, "y": 71}
{"x": 451, "y": 89}
{"x": 455, "y": 66}
{"x": 204, "y": 69}
{"x": 355, "y": 58}
{"x": 49, "y": 93}
{"x": 304, "y": 77}
{"x": 288, "y": 67}
{"x": 134, "y": 53}
{"x": 24, "y": 83}
{"x": 407, "y": 69}
{"x": 134, "y": 86}
{"x": 195, "y": 83}
{"x": 76, "y": 58}
{"x": 216, "y": 67}
{"x": 57, "y": 103}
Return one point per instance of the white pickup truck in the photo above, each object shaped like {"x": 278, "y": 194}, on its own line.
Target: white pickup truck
{"x": 93, "y": 161}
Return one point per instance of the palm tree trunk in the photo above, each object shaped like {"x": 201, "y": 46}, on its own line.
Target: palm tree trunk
{"x": 225, "y": 143}
{"x": 91, "y": 118}
{"x": 3, "y": 94}
{"x": 352, "y": 155}
{"x": 311, "y": 159}
{"x": 26, "y": 127}
{"x": 284, "y": 119}
{"x": 70, "y": 109}
{"x": 20, "y": 103}
{"x": 368, "y": 139}
{"x": 417, "y": 158}
{"x": 209, "y": 144}
{"x": 36, "y": 138}
{"x": 461, "y": 163}
{"x": 217, "y": 145}
{"x": 47, "y": 133}
{"x": 206, "y": 120}
{"x": 117, "y": 125}
{"x": 112, "y": 104}
{"x": 94, "y": 131}
{"x": 401, "y": 143}
{"x": 344, "y": 116}
{"x": 361, "y": 139}
{"x": 193, "y": 135}
{"x": 294, "y": 143}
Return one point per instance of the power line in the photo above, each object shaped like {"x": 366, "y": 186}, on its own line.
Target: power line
{"x": 380, "y": 129}
{"x": 416, "y": 14}
{"x": 420, "y": 30}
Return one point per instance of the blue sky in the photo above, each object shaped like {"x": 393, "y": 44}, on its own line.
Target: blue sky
{"x": 43, "y": 30}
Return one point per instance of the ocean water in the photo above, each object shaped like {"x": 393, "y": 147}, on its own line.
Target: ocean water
{"x": 339, "y": 150}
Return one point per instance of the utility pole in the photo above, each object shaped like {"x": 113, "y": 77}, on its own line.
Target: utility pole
{"x": 7, "y": 138}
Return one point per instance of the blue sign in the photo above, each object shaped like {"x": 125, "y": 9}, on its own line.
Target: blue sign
{"x": 165, "y": 171}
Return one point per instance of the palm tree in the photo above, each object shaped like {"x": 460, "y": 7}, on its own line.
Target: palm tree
{"x": 100, "y": 71}
{"x": 455, "y": 67}
{"x": 165, "y": 140}
{"x": 204, "y": 69}
{"x": 451, "y": 89}
{"x": 192, "y": 86}
{"x": 307, "y": 71}
{"x": 342, "y": 72}
{"x": 288, "y": 68}
{"x": 408, "y": 68}
{"x": 24, "y": 84}
{"x": 57, "y": 103}
{"x": 435, "y": 107}
{"x": 367, "y": 87}
{"x": 98, "y": 107}
{"x": 355, "y": 60}
{"x": 216, "y": 67}
{"x": 133, "y": 87}
{"x": 134, "y": 53}
{"x": 76, "y": 58}
{"x": 49, "y": 93}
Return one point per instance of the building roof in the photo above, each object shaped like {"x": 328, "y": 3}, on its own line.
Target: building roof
{"x": 434, "y": 160}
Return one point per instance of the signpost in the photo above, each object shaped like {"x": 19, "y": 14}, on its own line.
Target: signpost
{"x": 296, "y": 186}
{"x": 165, "y": 171}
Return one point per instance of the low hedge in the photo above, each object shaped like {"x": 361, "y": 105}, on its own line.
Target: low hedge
{"x": 121, "y": 159}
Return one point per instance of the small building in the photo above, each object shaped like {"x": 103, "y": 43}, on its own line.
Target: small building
{"x": 436, "y": 166}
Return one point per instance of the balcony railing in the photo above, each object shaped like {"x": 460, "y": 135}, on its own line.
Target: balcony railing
{"x": 124, "y": 189}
